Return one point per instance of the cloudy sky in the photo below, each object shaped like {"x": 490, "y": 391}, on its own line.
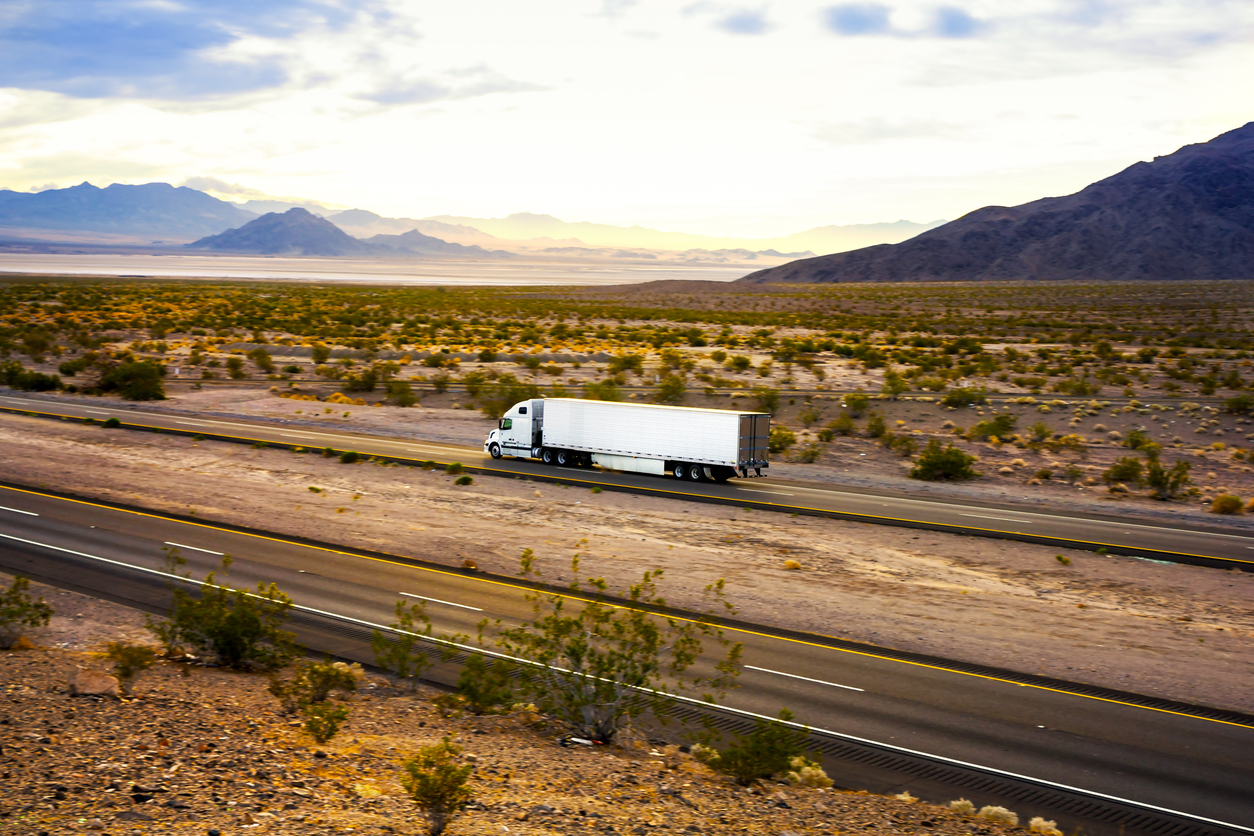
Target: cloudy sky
{"x": 726, "y": 118}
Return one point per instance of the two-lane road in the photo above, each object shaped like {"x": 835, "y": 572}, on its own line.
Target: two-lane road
{"x": 1173, "y": 760}
{"x": 1210, "y": 545}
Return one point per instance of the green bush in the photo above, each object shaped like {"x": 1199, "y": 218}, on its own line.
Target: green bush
{"x": 464, "y": 480}
{"x": 1127, "y": 470}
{"x": 965, "y": 396}
{"x": 110, "y": 423}
{"x": 1227, "y": 504}
{"x": 1000, "y": 426}
{"x": 401, "y": 393}
{"x": 671, "y": 390}
{"x": 232, "y": 627}
{"x": 323, "y": 720}
{"x": 437, "y": 784}
{"x": 486, "y": 684}
{"x": 454, "y": 468}
{"x": 606, "y": 390}
{"x": 781, "y": 439}
{"x": 767, "y": 398}
{"x": 856, "y": 403}
{"x": 947, "y": 463}
{"x": 14, "y": 374}
{"x": 766, "y": 751}
{"x": 18, "y": 609}
{"x": 312, "y": 682}
{"x": 1167, "y": 483}
{"x": 405, "y": 651}
{"x": 1240, "y": 405}
{"x": 128, "y": 661}
{"x": 349, "y": 457}
{"x": 842, "y": 425}
{"x": 876, "y": 426}
{"x": 135, "y": 381}
{"x": 809, "y": 455}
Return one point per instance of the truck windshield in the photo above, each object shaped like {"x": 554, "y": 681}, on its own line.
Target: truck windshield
{"x": 506, "y": 423}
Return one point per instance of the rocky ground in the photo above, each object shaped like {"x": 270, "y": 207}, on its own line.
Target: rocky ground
{"x": 206, "y": 751}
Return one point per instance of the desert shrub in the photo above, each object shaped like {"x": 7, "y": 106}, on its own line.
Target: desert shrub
{"x": 235, "y": 368}
{"x": 767, "y": 750}
{"x": 1227, "y": 504}
{"x": 809, "y": 416}
{"x": 943, "y": 463}
{"x": 110, "y": 423}
{"x": 964, "y": 396}
{"x": 485, "y": 684}
{"x": 998, "y": 814}
{"x": 876, "y": 426}
{"x": 739, "y": 363}
{"x": 781, "y": 439}
{"x": 136, "y": 381}
{"x": 233, "y": 627}
{"x": 440, "y": 382}
{"x": 1240, "y": 405}
{"x": 312, "y": 682}
{"x": 464, "y": 480}
{"x": 963, "y": 806}
{"x": 401, "y": 393}
{"x": 323, "y": 720}
{"x": 454, "y": 468}
{"x": 18, "y": 610}
{"x": 605, "y": 390}
{"x": 808, "y": 455}
{"x": 1038, "y": 824}
{"x": 826, "y": 435}
{"x": 767, "y": 398}
{"x": 1136, "y": 439}
{"x": 437, "y": 783}
{"x": 671, "y": 390}
{"x": 842, "y": 425}
{"x": 406, "y": 650}
{"x": 349, "y": 457}
{"x": 903, "y": 445}
{"x": 804, "y": 772}
{"x": 129, "y": 660}
{"x": 626, "y": 363}
{"x": 13, "y": 373}
{"x": 1001, "y": 426}
{"x": 1126, "y": 470}
{"x": 595, "y": 666}
{"x": 856, "y": 403}
{"x": 503, "y": 393}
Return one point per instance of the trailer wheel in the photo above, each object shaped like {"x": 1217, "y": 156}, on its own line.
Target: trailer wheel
{"x": 565, "y": 457}
{"x": 695, "y": 473}
{"x": 546, "y": 455}
{"x": 678, "y": 471}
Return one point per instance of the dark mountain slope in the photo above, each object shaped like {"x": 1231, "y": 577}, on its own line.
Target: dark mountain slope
{"x": 1189, "y": 215}
{"x": 414, "y": 241}
{"x": 150, "y": 209}
{"x": 295, "y": 232}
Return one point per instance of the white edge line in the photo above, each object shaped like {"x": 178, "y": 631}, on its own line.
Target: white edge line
{"x": 776, "y": 493}
{"x": 681, "y": 698}
{"x": 999, "y": 519}
{"x": 18, "y": 511}
{"x": 438, "y": 601}
{"x": 195, "y": 549}
{"x": 804, "y": 678}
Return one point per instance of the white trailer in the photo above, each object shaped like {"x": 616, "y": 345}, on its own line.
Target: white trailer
{"x": 687, "y": 443}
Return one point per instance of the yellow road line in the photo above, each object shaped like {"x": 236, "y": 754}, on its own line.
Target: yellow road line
{"x": 742, "y": 630}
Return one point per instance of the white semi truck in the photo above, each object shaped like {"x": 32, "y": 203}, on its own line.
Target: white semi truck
{"x": 693, "y": 444}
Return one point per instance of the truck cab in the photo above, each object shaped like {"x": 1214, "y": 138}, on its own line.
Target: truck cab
{"x": 518, "y": 432}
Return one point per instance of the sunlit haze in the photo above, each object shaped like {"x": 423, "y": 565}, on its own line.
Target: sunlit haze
{"x": 724, "y": 119}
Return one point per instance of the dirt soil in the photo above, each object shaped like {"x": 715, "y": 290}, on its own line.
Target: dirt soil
{"x": 1167, "y": 630}
{"x": 205, "y": 751}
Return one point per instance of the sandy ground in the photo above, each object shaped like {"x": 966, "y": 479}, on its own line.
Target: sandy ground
{"x": 1168, "y": 630}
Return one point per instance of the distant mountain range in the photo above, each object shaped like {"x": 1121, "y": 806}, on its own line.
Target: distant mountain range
{"x": 1188, "y": 215}
{"x": 300, "y": 232}
{"x": 156, "y": 209}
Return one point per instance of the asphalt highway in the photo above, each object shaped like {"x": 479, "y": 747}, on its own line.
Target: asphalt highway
{"x": 1010, "y": 520}
{"x": 1169, "y": 759}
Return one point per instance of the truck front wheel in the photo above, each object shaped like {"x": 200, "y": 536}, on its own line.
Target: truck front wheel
{"x": 495, "y": 451}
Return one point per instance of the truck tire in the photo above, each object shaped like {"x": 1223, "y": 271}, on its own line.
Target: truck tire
{"x": 546, "y": 455}
{"x": 696, "y": 473}
{"x": 565, "y": 458}
{"x": 679, "y": 471}
{"x": 495, "y": 451}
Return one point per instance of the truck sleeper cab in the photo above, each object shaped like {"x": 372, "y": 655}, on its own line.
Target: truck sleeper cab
{"x": 683, "y": 442}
